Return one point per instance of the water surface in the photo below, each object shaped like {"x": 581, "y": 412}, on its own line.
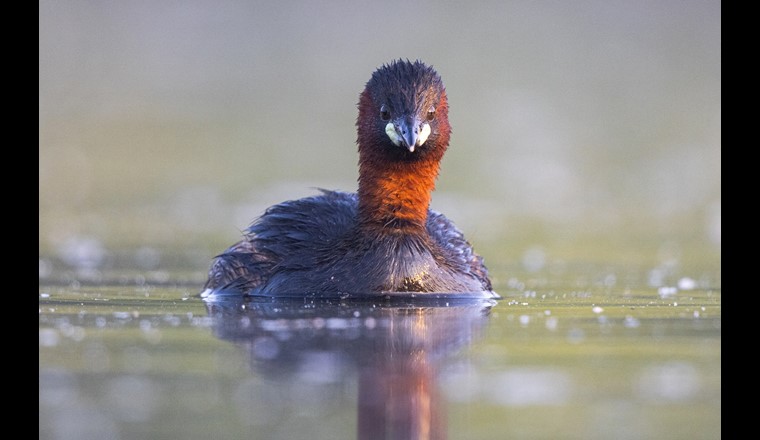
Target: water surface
{"x": 557, "y": 357}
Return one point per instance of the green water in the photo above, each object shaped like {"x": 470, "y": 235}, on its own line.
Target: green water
{"x": 563, "y": 355}
{"x": 584, "y": 165}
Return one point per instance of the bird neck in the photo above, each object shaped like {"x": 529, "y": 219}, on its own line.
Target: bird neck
{"x": 396, "y": 195}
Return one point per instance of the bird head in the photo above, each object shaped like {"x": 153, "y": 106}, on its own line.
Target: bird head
{"x": 403, "y": 112}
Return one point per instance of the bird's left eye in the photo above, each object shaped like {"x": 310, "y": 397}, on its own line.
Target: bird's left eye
{"x": 385, "y": 114}
{"x": 431, "y": 113}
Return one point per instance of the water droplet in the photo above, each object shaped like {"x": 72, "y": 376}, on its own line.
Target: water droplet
{"x": 687, "y": 283}
{"x": 666, "y": 291}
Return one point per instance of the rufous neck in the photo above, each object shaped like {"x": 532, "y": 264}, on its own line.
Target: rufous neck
{"x": 396, "y": 195}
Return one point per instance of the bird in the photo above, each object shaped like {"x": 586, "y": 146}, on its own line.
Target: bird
{"x": 382, "y": 239}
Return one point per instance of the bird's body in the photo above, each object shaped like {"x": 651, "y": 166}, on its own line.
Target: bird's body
{"x": 382, "y": 239}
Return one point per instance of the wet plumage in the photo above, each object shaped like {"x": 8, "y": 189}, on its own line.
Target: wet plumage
{"x": 382, "y": 239}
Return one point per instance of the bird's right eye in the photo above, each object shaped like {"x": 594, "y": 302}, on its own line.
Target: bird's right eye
{"x": 385, "y": 114}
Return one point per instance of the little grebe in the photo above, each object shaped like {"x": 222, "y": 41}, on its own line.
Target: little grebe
{"x": 384, "y": 238}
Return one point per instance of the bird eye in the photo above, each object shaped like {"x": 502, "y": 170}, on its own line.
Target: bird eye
{"x": 431, "y": 114}
{"x": 385, "y": 115}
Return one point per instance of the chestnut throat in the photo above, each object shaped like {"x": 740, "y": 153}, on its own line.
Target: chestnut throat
{"x": 395, "y": 197}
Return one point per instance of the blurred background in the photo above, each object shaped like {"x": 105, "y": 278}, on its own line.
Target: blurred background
{"x": 585, "y": 130}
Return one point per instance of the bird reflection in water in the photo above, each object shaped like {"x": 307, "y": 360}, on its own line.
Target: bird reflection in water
{"x": 396, "y": 346}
